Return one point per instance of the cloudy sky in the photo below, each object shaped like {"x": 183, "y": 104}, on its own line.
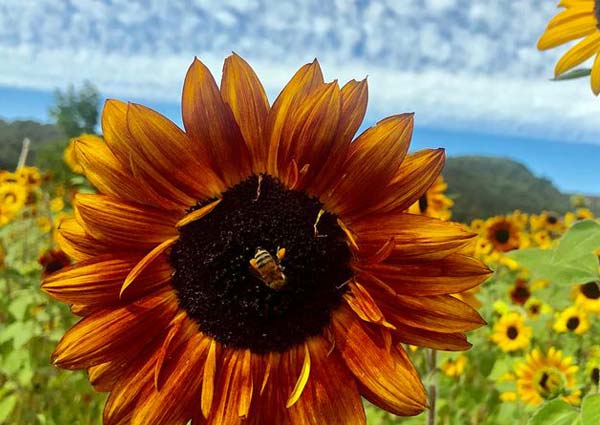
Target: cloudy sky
{"x": 468, "y": 68}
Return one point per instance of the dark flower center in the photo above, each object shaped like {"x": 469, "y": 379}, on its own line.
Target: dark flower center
{"x": 520, "y": 294}
{"x": 544, "y": 380}
{"x": 591, "y": 290}
{"x": 278, "y": 301}
{"x": 572, "y": 323}
{"x": 534, "y": 309}
{"x": 595, "y": 375}
{"x": 423, "y": 204}
{"x": 512, "y": 332}
{"x": 597, "y": 12}
{"x": 502, "y": 235}
{"x": 551, "y": 219}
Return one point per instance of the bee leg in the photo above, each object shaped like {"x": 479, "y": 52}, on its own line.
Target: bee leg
{"x": 317, "y": 235}
{"x": 280, "y": 253}
{"x": 254, "y": 264}
{"x": 260, "y": 179}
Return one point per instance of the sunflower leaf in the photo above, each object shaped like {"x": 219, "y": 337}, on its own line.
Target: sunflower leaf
{"x": 571, "y": 262}
{"x": 590, "y": 410}
{"x": 555, "y": 412}
{"x": 571, "y": 75}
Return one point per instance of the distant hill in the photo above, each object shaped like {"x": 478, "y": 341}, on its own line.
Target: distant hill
{"x": 486, "y": 186}
{"x": 12, "y": 134}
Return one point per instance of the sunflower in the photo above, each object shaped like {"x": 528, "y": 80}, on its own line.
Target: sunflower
{"x": 13, "y": 197}
{"x": 434, "y": 203}
{"x": 542, "y": 239}
{"x": 29, "y": 177}
{"x": 503, "y": 233}
{"x": 536, "y": 307}
{"x": 259, "y": 265}
{"x": 588, "y": 296}
{"x": 70, "y": 157}
{"x": 548, "y": 221}
{"x": 544, "y": 377}
{"x": 454, "y": 367}
{"x": 580, "y": 19}
{"x": 572, "y": 320}
{"x": 579, "y": 214}
{"x": 519, "y": 293}
{"x": 592, "y": 367}
{"x": 511, "y": 333}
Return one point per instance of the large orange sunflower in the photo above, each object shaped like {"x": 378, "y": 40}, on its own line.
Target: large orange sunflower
{"x": 259, "y": 265}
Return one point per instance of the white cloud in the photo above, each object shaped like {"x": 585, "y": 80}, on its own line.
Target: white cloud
{"x": 457, "y": 63}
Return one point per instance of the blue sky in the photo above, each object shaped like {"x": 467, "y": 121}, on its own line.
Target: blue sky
{"x": 468, "y": 68}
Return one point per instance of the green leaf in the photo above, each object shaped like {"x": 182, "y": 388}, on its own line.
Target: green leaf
{"x": 590, "y": 410}
{"x": 7, "y": 405}
{"x": 555, "y": 412}
{"x": 576, "y": 73}
{"x": 572, "y": 261}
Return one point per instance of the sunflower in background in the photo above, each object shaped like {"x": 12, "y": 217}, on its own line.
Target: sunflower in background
{"x": 546, "y": 376}
{"x": 547, "y": 221}
{"x": 592, "y": 367}
{"x": 29, "y": 177}
{"x": 504, "y": 233}
{"x": 511, "y": 333}
{"x": 454, "y": 367}
{"x": 434, "y": 203}
{"x": 13, "y": 198}
{"x": 579, "y": 214}
{"x": 520, "y": 292}
{"x": 536, "y": 308}
{"x": 580, "y": 19}
{"x": 226, "y": 274}
{"x": 572, "y": 320}
{"x": 588, "y": 296}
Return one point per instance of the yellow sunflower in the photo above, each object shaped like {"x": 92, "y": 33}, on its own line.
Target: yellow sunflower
{"x": 511, "y": 333}
{"x": 579, "y": 214}
{"x": 503, "y": 233}
{"x": 542, "y": 239}
{"x": 592, "y": 367}
{"x": 588, "y": 296}
{"x": 543, "y": 377}
{"x": 434, "y": 203}
{"x": 536, "y": 307}
{"x": 519, "y": 292}
{"x": 227, "y": 274}
{"x": 29, "y": 176}
{"x": 70, "y": 157}
{"x": 573, "y": 320}
{"x": 454, "y": 367}
{"x": 580, "y": 19}
{"x": 13, "y": 197}
{"x": 547, "y": 221}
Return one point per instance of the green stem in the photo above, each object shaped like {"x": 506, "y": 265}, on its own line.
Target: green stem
{"x": 432, "y": 386}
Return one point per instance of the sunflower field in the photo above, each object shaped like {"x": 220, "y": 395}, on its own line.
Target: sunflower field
{"x": 536, "y": 361}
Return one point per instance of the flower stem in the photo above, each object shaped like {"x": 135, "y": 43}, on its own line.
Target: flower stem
{"x": 432, "y": 386}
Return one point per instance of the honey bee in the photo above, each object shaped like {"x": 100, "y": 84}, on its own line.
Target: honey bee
{"x": 268, "y": 268}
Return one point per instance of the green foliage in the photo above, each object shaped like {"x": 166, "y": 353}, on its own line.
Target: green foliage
{"x": 76, "y": 111}
{"x": 13, "y": 133}
{"x": 486, "y": 186}
{"x": 555, "y": 412}
{"x": 571, "y": 261}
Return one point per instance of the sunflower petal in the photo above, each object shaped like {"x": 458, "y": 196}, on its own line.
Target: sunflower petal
{"x": 576, "y": 28}
{"x": 108, "y": 334}
{"x": 365, "y": 307}
{"x": 211, "y": 124}
{"x": 374, "y": 158}
{"x": 302, "y": 379}
{"x": 208, "y": 379}
{"x": 387, "y": 377}
{"x": 306, "y": 79}
{"x": 578, "y": 53}
{"x": 245, "y": 95}
{"x": 595, "y": 78}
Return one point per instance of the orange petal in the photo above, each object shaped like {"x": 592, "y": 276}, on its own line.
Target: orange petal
{"x": 235, "y": 388}
{"x": 330, "y": 395}
{"x": 126, "y": 225}
{"x": 374, "y": 158}
{"x": 137, "y": 270}
{"x": 361, "y": 302}
{"x": 211, "y": 124}
{"x": 104, "y": 376}
{"x": 107, "y": 335}
{"x": 76, "y": 243}
{"x": 437, "y": 340}
{"x": 112, "y": 178}
{"x": 97, "y": 281}
{"x": 387, "y": 377}
{"x": 454, "y": 273}
{"x": 179, "y": 393}
{"x": 306, "y": 79}
{"x": 415, "y": 236}
{"x": 309, "y": 133}
{"x": 353, "y": 108}
{"x": 245, "y": 95}
{"x": 208, "y": 379}
{"x": 161, "y": 145}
